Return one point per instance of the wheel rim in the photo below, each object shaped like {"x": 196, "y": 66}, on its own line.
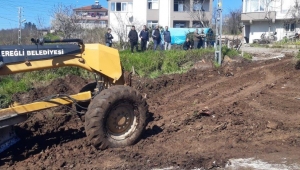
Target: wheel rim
{"x": 121, "y": 121}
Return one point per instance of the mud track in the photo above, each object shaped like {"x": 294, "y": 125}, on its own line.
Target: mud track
{"x": 199, "y": 119}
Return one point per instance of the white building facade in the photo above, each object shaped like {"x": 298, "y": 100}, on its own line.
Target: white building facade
{"x": 171, "y": 13}
{"x": 268, "y": 16}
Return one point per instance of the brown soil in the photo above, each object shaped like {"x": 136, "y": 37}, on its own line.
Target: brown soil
{"x": 200, "y": 119}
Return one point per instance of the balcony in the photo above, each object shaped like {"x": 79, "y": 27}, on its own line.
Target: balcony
{"x": 93, "y": 25}
{"x": 190, "y": 5}
{"x": 249, "y": 17}
{"x": 103, "y": 18}
{"x": 189, "y": 15}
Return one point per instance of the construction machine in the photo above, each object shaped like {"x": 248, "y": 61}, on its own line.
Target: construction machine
{"x": 115, "y": 113}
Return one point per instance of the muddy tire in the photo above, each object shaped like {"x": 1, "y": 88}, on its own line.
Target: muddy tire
{"x": 116, "y": 117}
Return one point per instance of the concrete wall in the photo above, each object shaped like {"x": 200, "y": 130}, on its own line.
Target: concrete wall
{"x": 139, "y": 12}
{"x": 118, "y": 22}
{"x": 165, "y": 8}
{"x": 260, "y": 27}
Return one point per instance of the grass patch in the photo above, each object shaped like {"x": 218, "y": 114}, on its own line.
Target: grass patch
{"x": 229, "y": 52}
{"x": 247, "y": 56}
{"x": 22, "y": 82}
{"x": 259, "y": 45}
{"x": 10, "y": 85}
{"x": 153, "y": 64}
{"x": 298, "y": 55}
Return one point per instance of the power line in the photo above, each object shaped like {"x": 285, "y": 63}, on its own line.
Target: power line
{"x": 8, "y": 19}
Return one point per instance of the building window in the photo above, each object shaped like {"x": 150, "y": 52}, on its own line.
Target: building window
{"x": 180, "y": 5}
{"x": 130, "y": 7}
{"x": 124, "y": 6}
{"x": 290, "y": 27}
{"x": 120, "y": 6}
{"x": 180, "y": 24}
{"x": 152, "y": 24}
{"x": 152, "y": 4}
{"x": 113, "y": 6}
{"x": 257, "y": 5}
{"x": 197, "y": 6}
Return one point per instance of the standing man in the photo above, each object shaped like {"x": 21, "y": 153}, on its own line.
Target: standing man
{"x": 204, "y": 38}
{"x": 133, "y": 38}
{"x": 162, "y": 41}
{"x": 201, "y": 39}
{"x": 144, "y": 35}
{"x": 196, "y": 38}
{"x": 108, "y": 38}
{"x": 167, "y": 38}
{"x": 156, "y": 37}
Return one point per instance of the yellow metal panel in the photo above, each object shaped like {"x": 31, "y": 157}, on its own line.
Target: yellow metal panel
{"x": 36, "y": 106}
{"x": 44, "y": 64}
{"x": 104, "y": 59}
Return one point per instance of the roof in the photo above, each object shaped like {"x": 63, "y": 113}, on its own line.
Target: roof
{"x": 92, "y": 8}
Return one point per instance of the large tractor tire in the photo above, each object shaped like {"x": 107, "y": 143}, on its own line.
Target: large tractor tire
{"x": 116, "y": 117}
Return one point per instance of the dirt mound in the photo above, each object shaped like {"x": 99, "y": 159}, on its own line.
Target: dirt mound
{"x": 70, "y": 84}
{"x": 200, "y": 119}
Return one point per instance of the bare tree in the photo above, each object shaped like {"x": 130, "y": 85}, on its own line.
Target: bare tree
{"x": 294, "y": 13}
{"x": 95, "y": 35}
{"x": 121, "y": 27}
{"x": 9, "y": 36}
{"x": 64, "y": 20}
{"x": 197, "y": 12}
{"x": 232, "y": 22}
{"x": 214, "y": 15}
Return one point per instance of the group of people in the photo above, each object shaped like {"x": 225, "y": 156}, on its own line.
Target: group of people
{"x": 198, "y": 41}
{"x": 161, "y": 39}
{"x": 164, "y": 43}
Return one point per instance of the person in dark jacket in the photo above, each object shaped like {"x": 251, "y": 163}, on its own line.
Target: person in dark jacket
{"x": 144, "y": 35}
{"x": 167, "y": 38}
{"x": 187, "y": 44}
{"x": 133, "y": 38}
{"x": 108, "y": 38}
{"x": 156, "y": 37}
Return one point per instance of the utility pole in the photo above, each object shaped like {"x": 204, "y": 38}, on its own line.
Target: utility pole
{"x": 20, "y": 25}
{"x": 218, "y": 43}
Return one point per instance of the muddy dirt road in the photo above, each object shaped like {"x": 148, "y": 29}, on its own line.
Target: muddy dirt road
{"x": 200, "y": 119}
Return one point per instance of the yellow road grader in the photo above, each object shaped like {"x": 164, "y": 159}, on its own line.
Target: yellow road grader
{"x": 116, "y": 113}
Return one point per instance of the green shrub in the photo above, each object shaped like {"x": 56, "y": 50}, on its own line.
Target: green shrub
{"x": 298, "y": 55}
{"x": 229, "y": 52}
{"x": 247, "y": 56}
{"x": 153, "y": 64}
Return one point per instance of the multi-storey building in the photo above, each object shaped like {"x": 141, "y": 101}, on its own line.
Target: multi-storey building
{"x": 171, "y": 13}
{"x": 267, "y": 17}
{"x": 92, "y": 16}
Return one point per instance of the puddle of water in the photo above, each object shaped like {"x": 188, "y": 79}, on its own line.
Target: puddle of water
{"x": 268, "y": 58}
{"x": 254, "y": 164}
{"x": 249, "y": 164}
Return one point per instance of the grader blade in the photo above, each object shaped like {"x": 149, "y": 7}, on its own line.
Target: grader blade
{"x": 7, "y": 134}
{"x": 8, "y": 138}
{"x": 14, "y": 115}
